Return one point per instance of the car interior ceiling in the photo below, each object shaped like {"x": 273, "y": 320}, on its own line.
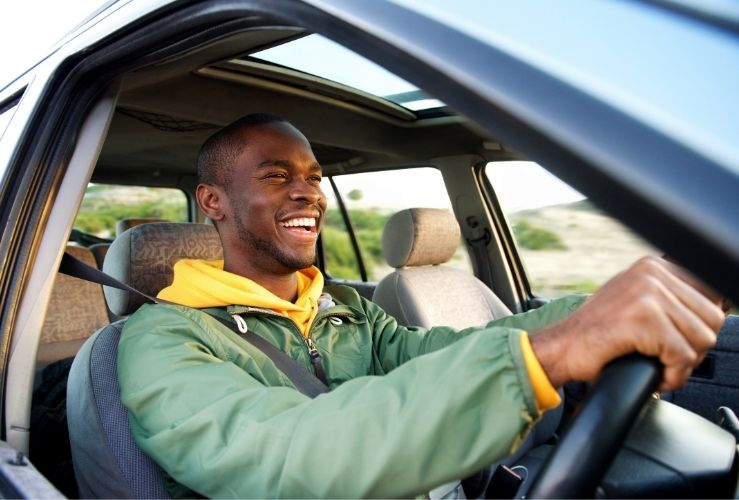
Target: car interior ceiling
{"x": 158, "y": 125}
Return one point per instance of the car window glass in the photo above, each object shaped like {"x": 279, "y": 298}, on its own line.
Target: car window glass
{"x": 371, "y": 198}
{"x": 105, "y": 204}
{"x": 566, "y": 243}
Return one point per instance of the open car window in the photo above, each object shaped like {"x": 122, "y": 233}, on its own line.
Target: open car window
{"x": 565, "y": 242}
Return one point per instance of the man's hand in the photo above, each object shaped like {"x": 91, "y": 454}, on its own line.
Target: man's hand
{"x": 654, "y": 307}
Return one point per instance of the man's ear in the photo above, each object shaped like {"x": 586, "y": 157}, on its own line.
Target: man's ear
{"x": 212, "y": 201}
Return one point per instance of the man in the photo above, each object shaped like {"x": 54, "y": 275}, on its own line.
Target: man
{"x": 408, "y": 409}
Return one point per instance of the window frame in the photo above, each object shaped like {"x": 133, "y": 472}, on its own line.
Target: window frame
{"x": 504, "y": 233}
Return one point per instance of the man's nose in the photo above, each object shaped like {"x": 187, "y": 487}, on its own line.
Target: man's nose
{"x": 305, "y": 191}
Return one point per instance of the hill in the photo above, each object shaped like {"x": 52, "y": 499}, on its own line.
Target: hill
{"x": 594, "y": 248}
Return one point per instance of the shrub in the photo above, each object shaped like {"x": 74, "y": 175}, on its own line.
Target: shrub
{"x": 536, "y": 238}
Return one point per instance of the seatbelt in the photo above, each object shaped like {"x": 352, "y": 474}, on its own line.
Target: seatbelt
{"x": 303, "y": 380}
{"x": 480, "y": 249}
{"x": 71, "y": 266}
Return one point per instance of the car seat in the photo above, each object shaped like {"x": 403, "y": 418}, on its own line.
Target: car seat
{"x": 76, "y": 309}
{"x": 107, "y": 461}
{"x": 423, "y": 291}
{"x": 124, "y": 225}
{"x": 101, "y": 249}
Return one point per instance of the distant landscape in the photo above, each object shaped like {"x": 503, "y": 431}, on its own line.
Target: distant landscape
{"x": 566, "y": 248}
{"x": 103, "y": 206}
{"x": 590, "y": 248}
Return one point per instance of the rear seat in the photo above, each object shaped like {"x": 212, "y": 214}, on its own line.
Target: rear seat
{"x": 76, "y": 310}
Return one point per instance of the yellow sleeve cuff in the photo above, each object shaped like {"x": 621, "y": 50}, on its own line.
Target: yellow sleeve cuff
{"x": 547, "y": 396}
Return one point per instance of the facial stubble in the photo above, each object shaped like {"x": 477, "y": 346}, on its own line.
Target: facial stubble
{"x": 264, "y": 247}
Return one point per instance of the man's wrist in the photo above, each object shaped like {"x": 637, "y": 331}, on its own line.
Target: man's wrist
{"x": 550, "y": 345}
{"x": 546, "y": 394}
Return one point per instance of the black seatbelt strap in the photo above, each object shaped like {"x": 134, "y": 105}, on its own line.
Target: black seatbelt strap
{"x": 71, "y": 266}
{"x": 302, "y": 379}
{"x": 480, "y": 250}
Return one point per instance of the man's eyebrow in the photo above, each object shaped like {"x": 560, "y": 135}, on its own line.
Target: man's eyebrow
{"x": 286, "y": 164}
{"x": 274, "y": 163}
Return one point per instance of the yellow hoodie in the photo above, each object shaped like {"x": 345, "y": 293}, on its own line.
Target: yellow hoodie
{"x": 200, "y": 283}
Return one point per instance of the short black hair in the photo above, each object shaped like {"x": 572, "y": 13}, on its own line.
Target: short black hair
{"x": 222, "y": 148}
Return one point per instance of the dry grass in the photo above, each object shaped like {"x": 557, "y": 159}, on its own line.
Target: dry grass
{"x": 597, "y": 247}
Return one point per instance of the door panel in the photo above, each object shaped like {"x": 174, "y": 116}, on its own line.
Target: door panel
{"x": 716, "y": 381}
{"x": 20, "y": 479}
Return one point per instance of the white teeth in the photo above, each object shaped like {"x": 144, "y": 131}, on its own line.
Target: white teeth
{"x": 299, "y": 222}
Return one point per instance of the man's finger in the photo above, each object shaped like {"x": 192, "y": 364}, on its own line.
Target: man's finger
{"x": 692, "y": 280}
{"x": 699, "y": 335}
{"x": 674, "y": 278}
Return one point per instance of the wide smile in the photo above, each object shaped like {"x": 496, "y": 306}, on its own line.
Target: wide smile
{"x": 304, "y": 229}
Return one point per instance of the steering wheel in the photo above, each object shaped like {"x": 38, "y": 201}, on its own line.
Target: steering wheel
{"x": 580, "y": 460}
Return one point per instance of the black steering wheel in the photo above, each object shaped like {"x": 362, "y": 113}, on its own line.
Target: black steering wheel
{"x": 580, "y": 460}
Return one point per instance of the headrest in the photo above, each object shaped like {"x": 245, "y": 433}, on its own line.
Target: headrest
{"x": 144, "y": 257}
{"x": 420, "y": 237}
{"x": 126, "y": 224}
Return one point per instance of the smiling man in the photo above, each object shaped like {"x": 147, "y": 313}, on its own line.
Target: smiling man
{"x": 408, "y": 409}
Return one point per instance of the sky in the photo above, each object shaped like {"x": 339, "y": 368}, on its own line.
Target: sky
{"x": 29, "y": 28}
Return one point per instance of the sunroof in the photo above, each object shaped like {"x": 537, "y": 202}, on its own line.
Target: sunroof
{"x": 321, "y": 57}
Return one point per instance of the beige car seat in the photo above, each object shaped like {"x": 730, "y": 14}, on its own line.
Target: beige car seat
{"x": 423, "y": 291}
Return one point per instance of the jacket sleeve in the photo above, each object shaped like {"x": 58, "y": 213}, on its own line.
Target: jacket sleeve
{"x": 395, "y": 344}
{"x": 221, "y": 433}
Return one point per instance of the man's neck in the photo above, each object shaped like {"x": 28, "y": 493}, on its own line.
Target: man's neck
{"x": 284, "y": 286}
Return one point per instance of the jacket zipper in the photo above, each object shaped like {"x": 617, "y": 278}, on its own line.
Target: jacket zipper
{"x": 316, "y": 360}
{"x": 315, "y": 357}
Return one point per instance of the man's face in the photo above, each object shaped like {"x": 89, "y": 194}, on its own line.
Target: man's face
{"x": 275, "y": 199}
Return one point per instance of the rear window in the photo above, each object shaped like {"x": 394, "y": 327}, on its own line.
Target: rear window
{"x": 106, "y": 204}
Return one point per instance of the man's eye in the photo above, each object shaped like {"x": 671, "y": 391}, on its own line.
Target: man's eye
{"x": 315, "y": 178}
{"x": 276, "y": 175}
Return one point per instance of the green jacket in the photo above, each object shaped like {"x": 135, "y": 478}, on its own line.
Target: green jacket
{"x": 409, "y": 408}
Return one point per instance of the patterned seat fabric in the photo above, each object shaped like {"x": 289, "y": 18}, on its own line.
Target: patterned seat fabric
{"x": 76, "y": 310}
{"x": 144, "y": 257}
{"x": 124, "y": 225}
{"x": 107, "y": 462}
